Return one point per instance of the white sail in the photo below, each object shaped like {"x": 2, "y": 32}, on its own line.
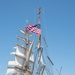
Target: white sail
{"x": 31, "y": 63}
{"x": 20, "y": 49}
{"x": 40, "y": 68}
{"x": 10, "y": 69}
{"x": 24, "y": 39}
{"x": 11, "y": 63}
{"x": 29, "y": 52}
{"x": 32, "y": 57}
{"x": 24, "y": 32}
{"x": 24, "y": 62}
{"x": 20, "y": 58}
{"x": 19, "y": 55}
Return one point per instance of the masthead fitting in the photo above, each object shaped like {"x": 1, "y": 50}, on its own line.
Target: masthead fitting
{"x": 39, "y": 12}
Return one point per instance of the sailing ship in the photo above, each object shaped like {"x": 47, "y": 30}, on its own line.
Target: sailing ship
{"x": 28, "y": 61}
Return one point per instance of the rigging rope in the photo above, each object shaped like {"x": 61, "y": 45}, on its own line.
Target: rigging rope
{"x": 34, "y": 62}
{"x": 48, "y": 65}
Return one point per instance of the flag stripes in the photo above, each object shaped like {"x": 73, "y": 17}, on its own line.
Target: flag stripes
{"x": 34, "y": 28}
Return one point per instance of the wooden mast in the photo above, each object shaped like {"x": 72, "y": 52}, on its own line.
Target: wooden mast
{"x": 39, "y": 42}
{"x": 39, "y": 47}
{"x": 39, "y": 37}
{"x": 26, "y": 66}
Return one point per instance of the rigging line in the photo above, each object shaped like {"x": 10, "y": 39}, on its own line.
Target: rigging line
{"x": 35, "y": 51}
{"x": 60, "y": 70}
{"x": 57, "y": 70}
{"x": 34, "y": 62}
{"x": 53, "y": 65}
{"x": 45, "y": 49}
{"x": 44, "y": 40}
{"x": 50, "y": 60}
{"x": 45, "y": 62}
{"x": 35, "y": 40}
{"x": 48, "y": 71}
{"x": 48, "y": 65}
{"x": 50, "y": 68}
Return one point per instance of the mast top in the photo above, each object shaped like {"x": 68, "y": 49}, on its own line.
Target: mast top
{"x": 39, "y": 12}
{"x": 26, "y": 22}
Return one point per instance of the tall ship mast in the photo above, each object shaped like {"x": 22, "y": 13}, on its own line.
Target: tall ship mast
{"x": 28, "y": 61}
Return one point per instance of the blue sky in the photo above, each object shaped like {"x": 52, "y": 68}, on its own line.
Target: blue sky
{"x": 58, "y": 26}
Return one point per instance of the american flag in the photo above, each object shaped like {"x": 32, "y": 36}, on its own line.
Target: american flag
{"x": 35, "y": 28}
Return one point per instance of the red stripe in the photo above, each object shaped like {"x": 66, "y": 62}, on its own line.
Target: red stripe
{"x": 33, "y": 29}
